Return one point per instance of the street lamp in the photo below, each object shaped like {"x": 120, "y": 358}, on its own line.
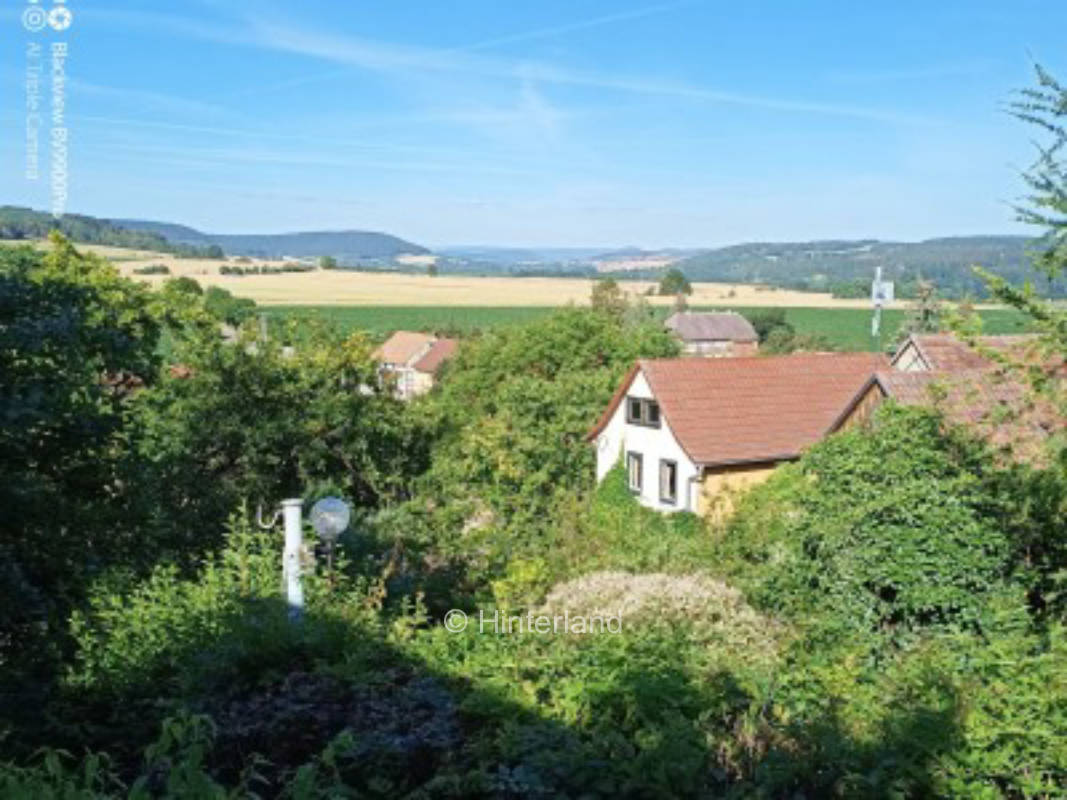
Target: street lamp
{"x": 330, "y": 517}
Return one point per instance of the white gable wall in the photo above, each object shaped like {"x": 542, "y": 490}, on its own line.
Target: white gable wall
{"x": 653, "y": 444}
{"x": 909, "y": 359}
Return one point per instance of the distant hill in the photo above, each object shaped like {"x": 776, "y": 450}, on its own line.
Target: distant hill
{"x": 348, "y": 247}
{"x": 512, "y": 256}
{"x": 172, "y": 232}
{"x": 846, "y": 267}
{"x": 17, "y": 222}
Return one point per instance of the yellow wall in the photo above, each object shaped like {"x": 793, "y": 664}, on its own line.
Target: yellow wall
{"x": 721, "y": 486}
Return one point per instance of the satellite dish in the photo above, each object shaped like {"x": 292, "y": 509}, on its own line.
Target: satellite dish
{"x": 330, "y": 517}
{"x": 602, "y": 442}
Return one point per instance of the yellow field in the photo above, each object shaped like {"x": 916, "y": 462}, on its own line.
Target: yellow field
{"x": 339, "y": 287}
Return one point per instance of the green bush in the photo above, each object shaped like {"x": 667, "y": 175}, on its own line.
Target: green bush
{"x": 506, "y": 461}
{"x": 956, "y": 714}
{"x": 886, "y": 529}
{"x": 223, "y": 627}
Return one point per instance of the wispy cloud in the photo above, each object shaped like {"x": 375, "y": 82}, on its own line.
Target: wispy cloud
{"x": 400, "y": 60}
{"x": 512, "y": 38}
{"x": 391, "y": 59}
{"x": 573, "y": 27}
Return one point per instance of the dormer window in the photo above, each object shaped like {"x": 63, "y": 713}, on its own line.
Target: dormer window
{"x": 640, "y": 411}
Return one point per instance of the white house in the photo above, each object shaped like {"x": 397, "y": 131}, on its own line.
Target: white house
{"x": 659, "y": 471}
{"x": 410, "y": 361}
{"x": 690, "y": 431}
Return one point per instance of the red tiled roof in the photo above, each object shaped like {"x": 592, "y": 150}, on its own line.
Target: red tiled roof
{"x": 752, "y": 409}
{"x": 403, "y": 346}
{"x": 943, "y": 351}
{"x": 439, "y": 352}
{"x": 993, "y": 401}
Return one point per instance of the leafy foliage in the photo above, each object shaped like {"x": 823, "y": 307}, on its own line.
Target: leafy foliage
{"x": 926, "y": 313}
{"x": 256, "y": 421}
{"x": 890, "y": 529}
{"x": 674, "y": 282}
{"x": 608, "y": 296}
{"x": 75, "y": 340}
{"x": 505, "y": 460}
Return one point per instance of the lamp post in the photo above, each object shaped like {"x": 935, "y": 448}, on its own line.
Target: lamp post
{"x": 294, "y": 544}
{"x": 329, "y": 517}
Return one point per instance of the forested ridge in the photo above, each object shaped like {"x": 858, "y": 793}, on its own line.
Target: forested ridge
{"x": 25, "y": 223}
{"x": 847, "y": 267}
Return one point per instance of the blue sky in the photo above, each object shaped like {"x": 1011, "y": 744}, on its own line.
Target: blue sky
{"x": 550, "y": 123}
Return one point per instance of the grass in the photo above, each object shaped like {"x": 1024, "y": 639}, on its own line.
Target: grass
{"x": 382, "y": 320}
{"x": 843, "y": 328}
{"x": 850, "y": 328}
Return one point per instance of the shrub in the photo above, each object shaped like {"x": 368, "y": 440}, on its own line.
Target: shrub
{"x": 715, "y": 610}
{"x": 892, "y": 527}
{"x": 226, "y": 626}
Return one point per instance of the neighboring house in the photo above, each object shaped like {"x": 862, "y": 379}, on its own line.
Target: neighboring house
{"x": 714, "y": 335}
{"x": 688, "y": 431}
{"x": 925, "y": 352}
{"x": 944, "y": 373}
{"x": 410, "y": 361}
{"x": 991, "y": 401}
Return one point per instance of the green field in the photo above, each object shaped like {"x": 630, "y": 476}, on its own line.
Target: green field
{"x": 843, "y": 328}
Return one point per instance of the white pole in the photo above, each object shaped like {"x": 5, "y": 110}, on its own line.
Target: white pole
{"x": 294, "y": 544}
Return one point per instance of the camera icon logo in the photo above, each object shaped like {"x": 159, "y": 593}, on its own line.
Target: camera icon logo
{"x": 34, "y": 18}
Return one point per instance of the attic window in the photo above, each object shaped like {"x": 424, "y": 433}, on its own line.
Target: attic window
{"x": 642, "y": 412}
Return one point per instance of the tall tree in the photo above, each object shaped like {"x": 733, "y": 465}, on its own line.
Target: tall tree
{"x": 608, "y": 296}
{"x": 674, "y": 282}
{"x": 76, "y": 339}
{"x": 1044, "y": 106}
{"x": 926, "y": 312}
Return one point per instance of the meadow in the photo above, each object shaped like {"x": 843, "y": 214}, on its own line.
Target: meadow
{"x": 843, "y": 328}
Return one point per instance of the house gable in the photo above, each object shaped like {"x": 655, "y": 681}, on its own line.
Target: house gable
{"x": 910, "y": 358}
{"x": 614, "y": 436}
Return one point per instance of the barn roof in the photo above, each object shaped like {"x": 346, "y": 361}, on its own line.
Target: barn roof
{"x": 439, "y": 352}
{"x": 725, "y": 326}
{"x": 751, "y": 409}
{"x": 403, "y": 346}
